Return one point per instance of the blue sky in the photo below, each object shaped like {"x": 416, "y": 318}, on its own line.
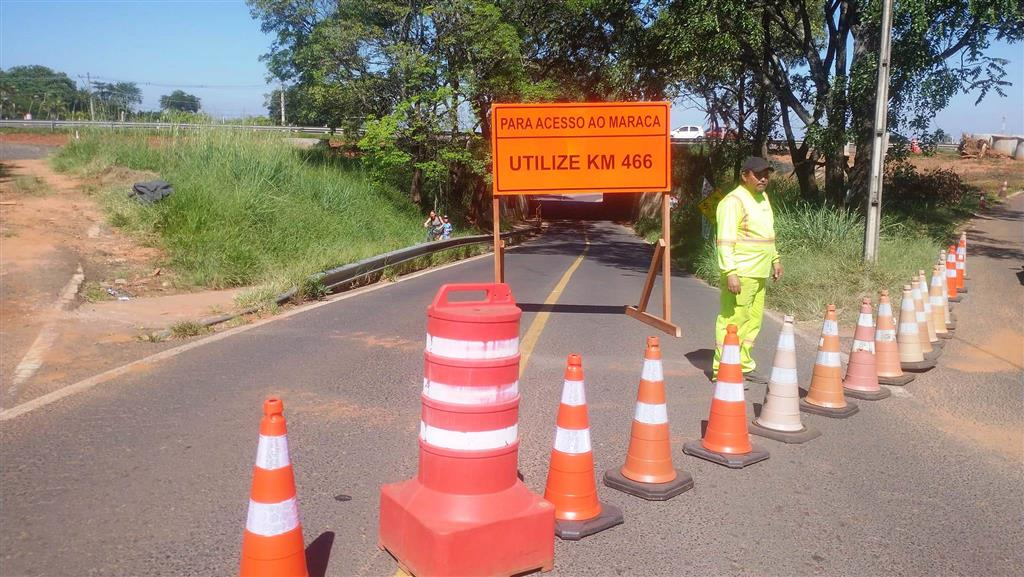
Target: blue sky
{"x": 211, "y": 49}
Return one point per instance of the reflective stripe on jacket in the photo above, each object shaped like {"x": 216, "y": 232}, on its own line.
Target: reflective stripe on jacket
{"x": 746, "y": 234}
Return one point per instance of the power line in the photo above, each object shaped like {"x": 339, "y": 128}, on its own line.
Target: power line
{"x": 174, "y": 85}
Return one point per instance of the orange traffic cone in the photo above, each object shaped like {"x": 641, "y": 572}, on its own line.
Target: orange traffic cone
{"x": 947, "y": 308}
{"x": 939, "y": 312}
{"x": 825, "y": 395}
{"x": 961, "y": 263}
{"x": 571, "y": 486}
{"x": 726, "y": 440}
{"x": 953, "y": 295}
{"x": 861, "y": 373}
{"x": 272, "y": 545}
{"x": 929, "y": 316}
{"x": 648, "y": 472}
{"x": 929, "y": 352}
{"x": 780, "y": 414}
{"x": 887, "y": 352}
{"x": 908, "y": 337}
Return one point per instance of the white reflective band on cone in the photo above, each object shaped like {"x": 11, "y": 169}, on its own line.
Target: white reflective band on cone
{"x": 786, "y": 342}
{"x": 458, "y": 349}
{"x": 921, "y": 317}
{"x": 730, "y": 392}
{"x": 652, "y": 371}
{"x": 573, "y": 394}
{"x": 950, "y": 272}
{"x": 936, "y": 301}
{"x": 270, "y": 519}
{"x": 650, "y": 414}
{"x": 572, "y": 441}
{"x": 885, "y": 335}
{"x": 462, "y": 395}
{"x": 863, "y": 346}
{"x": 468, "y": 440}
{"x": 908, "y": 328}
{"x": 885, "y": 309}
{"x": 960, "y": 265}
{"x": 865, "y": 320}
{"x": 828, "y": 359}
{"x": 272, "y": 452}
{"x": 730, "y": 355}
{"x": 782, "y": 376}
{"x": 830, "y": 328}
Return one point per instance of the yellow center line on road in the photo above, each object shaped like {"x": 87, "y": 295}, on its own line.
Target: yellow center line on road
{"x": 537, "y": 326}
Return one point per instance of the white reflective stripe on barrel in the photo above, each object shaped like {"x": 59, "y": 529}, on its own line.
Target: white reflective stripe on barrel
{"x": 471, "y": 350}
{"x": 863, "y": 346}
{"x": 572, "y": 441}
{"x": 270, "y": 519}
{"x": 786, "y": 342}
{"x": 865, "y": 320}
{"x": 783, "y": 376}
{"x": 908, "y": 328}
{"x": 730, "y": 355}
{"x": 828, "y": 359}
{"x": 573, "y": 394}
{"x": 463, "y": 395}
{"x": 272, "y": 452}
{"x": 885, "y": 335}
{"x": 652, "y": 371}
{"x": 468, "y": 440}
{"x": 830, "y": 328}
{"x": 729, "y": 392}
{"x": 650, "y": 414}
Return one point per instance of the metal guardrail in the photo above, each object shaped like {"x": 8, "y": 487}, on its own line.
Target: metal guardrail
{"x": 55, "y": 124}
{"x": 344, "y": 276}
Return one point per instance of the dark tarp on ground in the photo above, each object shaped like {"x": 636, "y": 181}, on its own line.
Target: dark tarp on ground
{"x": 150, "y": 192}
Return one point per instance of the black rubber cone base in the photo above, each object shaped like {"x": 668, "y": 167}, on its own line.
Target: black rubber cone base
{"x": 918, "y": 366}
{"x": 843, "y": 413}
{"x": 951, "y": 327}
{"x": 899, "y": 381}
{"x": 946, "y": 335}
{"x": 650, "y": 491}
{"x": 938, "y": 344}
{"x": 962, "y": 290}
{"x": 575, "y": 530}
{"x": 696, "y": 448}
{"x": 933, "y": 355}
{"x": 955, "y": 299}
{"x": 791, "y": 437}
{"x": 882, "y": 393}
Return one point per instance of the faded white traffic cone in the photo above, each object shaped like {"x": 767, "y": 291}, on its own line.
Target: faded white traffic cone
{"x": 780, "y": 414}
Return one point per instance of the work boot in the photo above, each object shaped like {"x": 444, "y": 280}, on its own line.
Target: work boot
{"x": 755, "y": 377}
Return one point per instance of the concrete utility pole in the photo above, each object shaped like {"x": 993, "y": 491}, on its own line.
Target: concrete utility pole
{"x": 880, "y": 142}
{"x": 282, "y": 104}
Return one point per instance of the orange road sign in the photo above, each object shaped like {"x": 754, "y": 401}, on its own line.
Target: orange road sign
{"x": 581, "y": 148}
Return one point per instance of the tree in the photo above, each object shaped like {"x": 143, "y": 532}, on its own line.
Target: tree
{"x": 181, "y": 101}
{"x": 116, "y": 99}
{"x": 820, "y": 60}
{"x": 38, "y": 90}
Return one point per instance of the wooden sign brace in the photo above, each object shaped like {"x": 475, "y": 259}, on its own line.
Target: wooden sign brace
{"x": 662, "y": 254}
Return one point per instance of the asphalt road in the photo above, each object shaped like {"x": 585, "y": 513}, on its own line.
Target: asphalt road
{"x": 149, "y": 474}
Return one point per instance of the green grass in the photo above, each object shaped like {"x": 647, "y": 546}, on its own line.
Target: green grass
{"x": 187, "y": 329}
{"x": 30, "y": 185}
{"x": 248, "y": 209}
{"x": 822, "y": 249}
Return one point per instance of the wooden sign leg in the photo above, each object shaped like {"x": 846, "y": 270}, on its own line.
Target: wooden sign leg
{"x": 499, "y": 254}
{"x": 662, "y": 256}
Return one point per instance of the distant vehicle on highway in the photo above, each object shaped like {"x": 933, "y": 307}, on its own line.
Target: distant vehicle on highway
{"x": 687, "y": 132}
{"x": 721, "y": 133}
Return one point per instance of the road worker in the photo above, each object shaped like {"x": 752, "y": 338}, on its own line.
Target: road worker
{"x": 746, "y": 258}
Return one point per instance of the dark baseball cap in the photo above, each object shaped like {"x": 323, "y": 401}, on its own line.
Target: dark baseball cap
{"x": 756, "y": 164}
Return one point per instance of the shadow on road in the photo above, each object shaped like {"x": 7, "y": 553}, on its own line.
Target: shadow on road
{"x": 702, "y": 359}
{"x": 318, "y": 554}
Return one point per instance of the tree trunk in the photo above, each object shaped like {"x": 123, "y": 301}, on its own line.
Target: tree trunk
{"x": 416, "y": 188}
{"x": 803, "y": 167}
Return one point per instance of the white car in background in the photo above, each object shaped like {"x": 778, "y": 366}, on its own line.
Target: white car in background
{"x": 687, "y": 132}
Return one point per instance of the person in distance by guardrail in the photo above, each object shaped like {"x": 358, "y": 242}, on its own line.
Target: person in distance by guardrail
{"x": 746, "y": 257}
{"x": 446, "y": 228}
{"x": 433, "y": 225}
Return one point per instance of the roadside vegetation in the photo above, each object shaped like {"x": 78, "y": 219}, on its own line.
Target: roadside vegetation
{"x": 247, "y": 209}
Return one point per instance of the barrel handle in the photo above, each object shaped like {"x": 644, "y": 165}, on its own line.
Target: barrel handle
{"x": 496, "y": 293}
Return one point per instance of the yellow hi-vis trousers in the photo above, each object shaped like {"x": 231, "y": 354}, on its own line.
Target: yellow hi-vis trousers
{"x": 743, "y": 310}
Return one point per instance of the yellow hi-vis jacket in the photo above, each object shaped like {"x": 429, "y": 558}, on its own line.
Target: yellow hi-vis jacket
{"x": 746, "y": 234}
